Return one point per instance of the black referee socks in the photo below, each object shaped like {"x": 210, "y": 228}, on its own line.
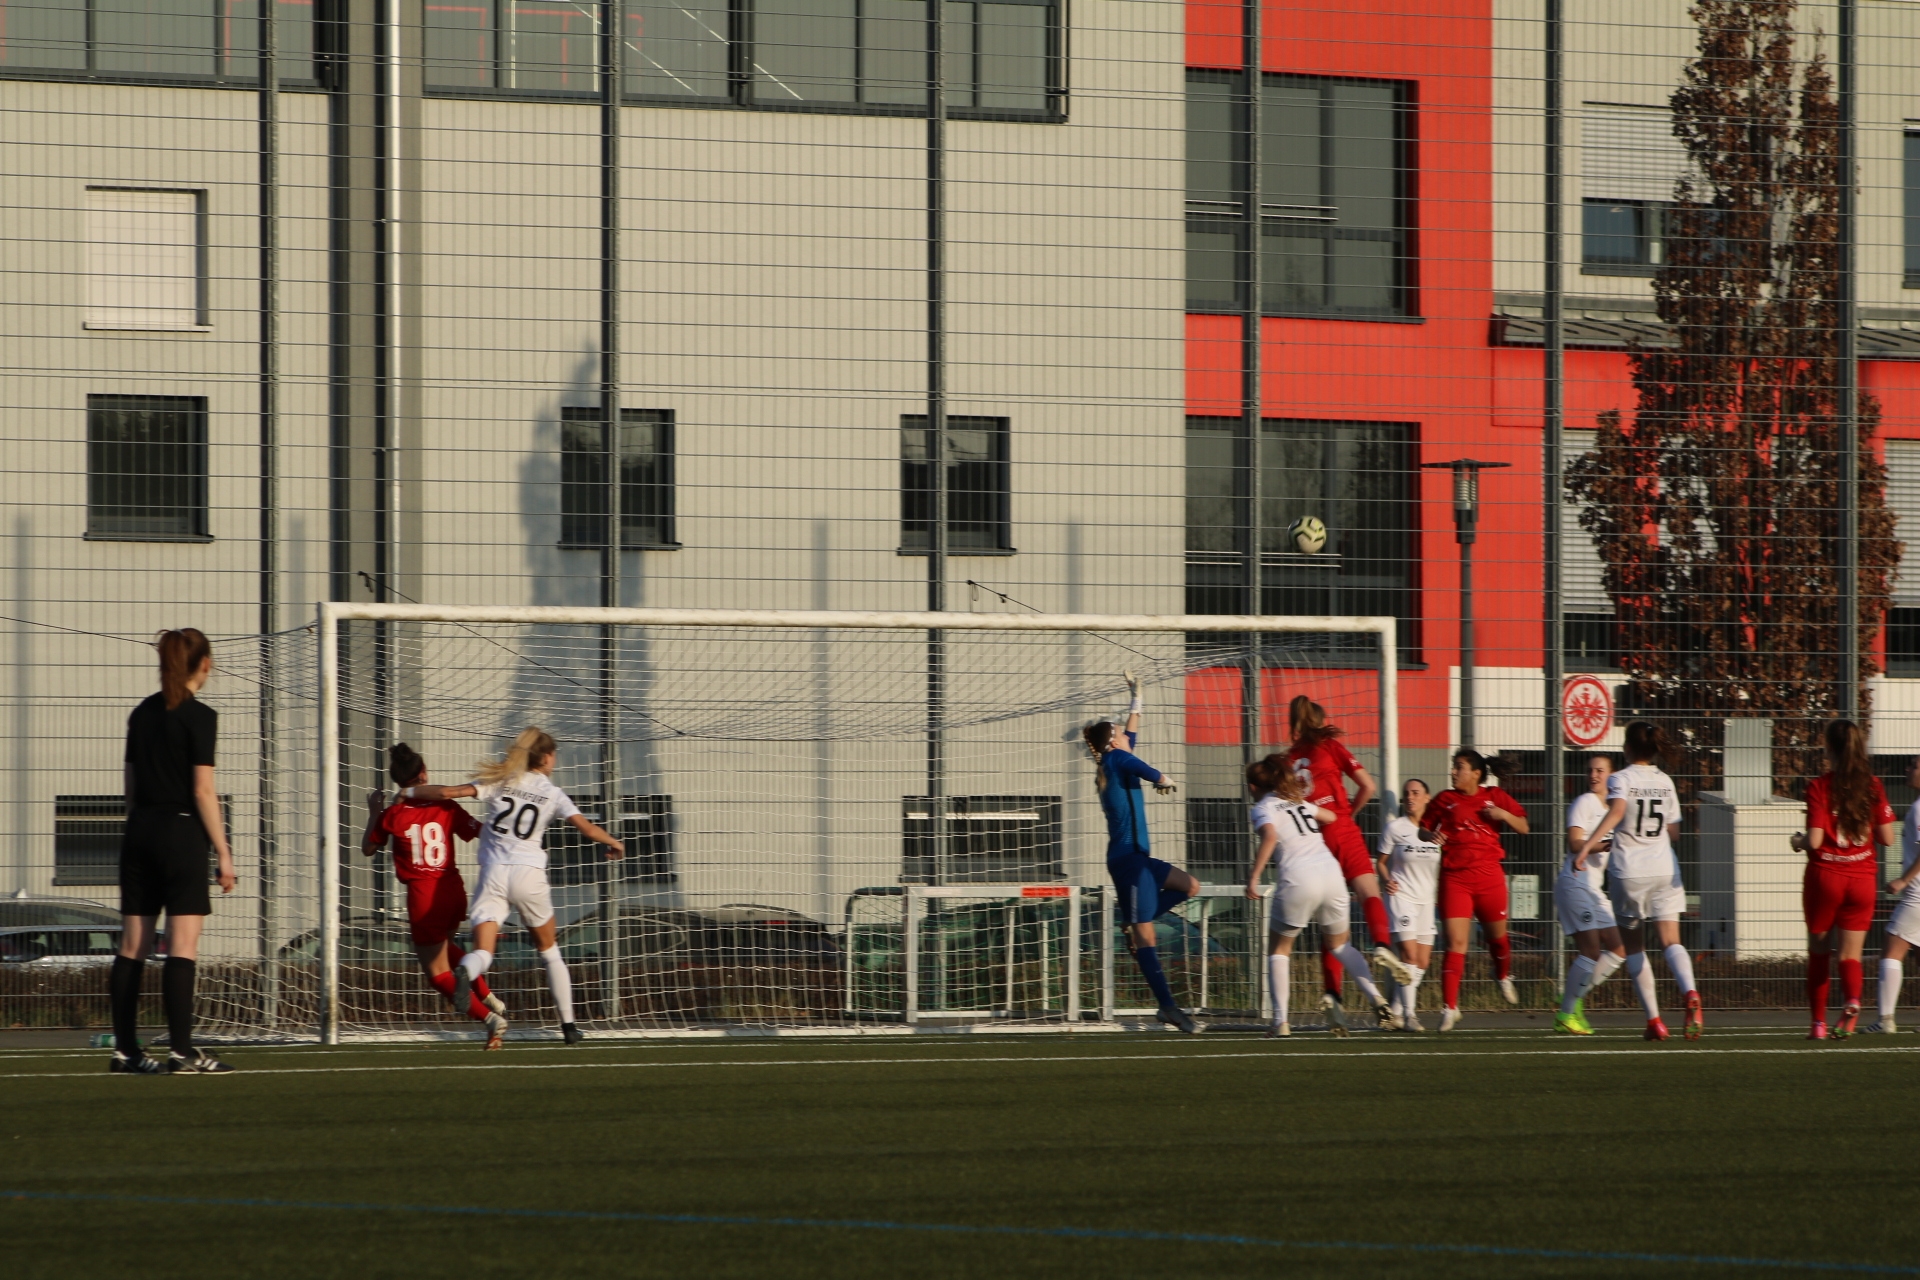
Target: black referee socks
{"x": 123, "y": 998}
{"x": 176, "y": 997}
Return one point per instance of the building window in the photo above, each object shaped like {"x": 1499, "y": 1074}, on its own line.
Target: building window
{"x": 1357, "y": 477}
{"x": 1217, "y": 845}
{"x": 147, "y": 468}
{"x": 1333, "y": 193}
{"x": 1903, "y": 618}
{"x": 978, "y": 483}
{"x": 146, "y": 259}
{"x": 86, "y": 839}
{"x": 1587, "y": 627}
{"x": 646, "y": 479}
{"x": 1912, "y": 175}
{"x": 1000, "y": 57}
{"x": 214, "y": 41}
{"x": 645, "y": 827}
{"x": 1622, "y": 237}
{"x": 990, "y": 840}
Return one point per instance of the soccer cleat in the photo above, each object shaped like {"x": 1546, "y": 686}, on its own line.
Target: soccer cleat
{"x": 1383, "y": 958}
{"x": 1179, "y": 1019}
{"x": 1278, "y": 1031}
{"x": 1695, "y": 1023}
{"x": 494, "y": 1003}
{"x": 571, "y": 1034}
{"x": 462, "y": 996}
{"x": 1580, "y": 1018}
{"x": 138, "y": 1065}
{"x": 1849, "y": 1022}
{"x": 1412, "y": 1023}
{"x": 1336, "y": 1015}
{"x": 199, "y": 1063}
{"x": 1385, "y": 1018}
{"x": 1449, "y": 1019}
{"x": 1656, "y": 1030}
{"x": 496, "y": 1030}
{"x": 1819, "y": 1031}
{"x": 1509, "y": 992}
{"x": 1884, "y": 1027}
{"x": 1571, "y": 1024}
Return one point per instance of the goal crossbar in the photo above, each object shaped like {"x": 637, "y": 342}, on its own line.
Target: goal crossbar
{"x": 331, "y": 614}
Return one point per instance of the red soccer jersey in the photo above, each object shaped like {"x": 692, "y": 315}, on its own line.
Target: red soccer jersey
{"x": 1325, "y": 765}
{"x": 1468, "y": 837}
{"x": 1836, "y": 852}
{"x": 423, "y": 836}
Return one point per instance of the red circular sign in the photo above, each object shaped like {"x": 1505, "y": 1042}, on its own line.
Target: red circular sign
{"x": 1586, "y": 710}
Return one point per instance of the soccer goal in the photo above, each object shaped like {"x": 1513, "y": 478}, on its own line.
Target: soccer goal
{"x": 831, "y": 820}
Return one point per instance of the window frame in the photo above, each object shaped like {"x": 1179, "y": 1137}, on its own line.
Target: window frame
{"x": 1234, "y": 213}
{"x": 202, "y": 314}
{"x": 1002, "y": 519}
{"x": 666, "y": 485}
{"x": 295, "y": 81}
{"x": 740, "y": 95}
{"x": 1650, "y": 236}
{"x": 920, "y": 862}
{"x": 197, "y": 477}
{"x": 1910, "y": 181}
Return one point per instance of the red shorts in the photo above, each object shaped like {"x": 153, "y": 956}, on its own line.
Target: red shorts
{"x": 1479, "y": 891}
{"x": 1830, "y": 896}
{"x": 436, "y": 907}
{"x": 1349, "y": 847}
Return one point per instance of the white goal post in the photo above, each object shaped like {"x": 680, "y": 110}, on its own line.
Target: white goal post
{"x": 937, "y": 631}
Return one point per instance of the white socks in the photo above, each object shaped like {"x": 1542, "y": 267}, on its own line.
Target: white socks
{"x": 1280, "y": 983}
{"x": 1410, "y": 992}
{"x": 476, "y": 963}
{"x": 1681, "y": 965}
{"x": 1889, "y": 988}
{"x": 1604, "y": 968}
{"x": 1642, "y": 976}
{"x": 1579, "y": 980}
{"x": 558, "y": 979}
{"x": 1356, "y": 963}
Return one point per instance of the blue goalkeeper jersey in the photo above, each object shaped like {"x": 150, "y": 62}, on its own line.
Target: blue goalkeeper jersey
{"x": 1123, "y": 802}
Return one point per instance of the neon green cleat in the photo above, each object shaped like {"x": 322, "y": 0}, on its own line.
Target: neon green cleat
{"x": 1571, "y": 1024}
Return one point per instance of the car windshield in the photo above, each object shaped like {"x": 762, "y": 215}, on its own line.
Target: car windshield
{"x": 15, "y": 914}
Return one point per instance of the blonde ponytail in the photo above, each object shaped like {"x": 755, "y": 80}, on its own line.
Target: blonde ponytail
{"x": 532, "y": 746}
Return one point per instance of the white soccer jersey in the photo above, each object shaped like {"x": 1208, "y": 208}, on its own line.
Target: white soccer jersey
{"x": 1301, "y": 850}
{"x": 517, "y": 816}
{"x": 1411, "y": 861}
{"x": 1640, "y": 843}
{"x": 1587, "y": 813}
{"x": 1910, "y": 838}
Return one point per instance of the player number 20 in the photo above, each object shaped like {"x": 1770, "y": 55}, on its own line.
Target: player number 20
{"x": 1649, "y": 818}
{"x": 429, "y": 845}
{"x": 521, "y": 823}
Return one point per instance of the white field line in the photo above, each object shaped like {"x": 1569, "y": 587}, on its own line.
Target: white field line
{"x": 1276, "y": 1054}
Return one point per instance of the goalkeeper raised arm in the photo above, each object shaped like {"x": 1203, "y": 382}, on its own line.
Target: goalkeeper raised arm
{"x": 1148, "y": 887}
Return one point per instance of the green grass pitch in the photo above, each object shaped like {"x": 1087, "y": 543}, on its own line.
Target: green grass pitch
{"x": 1382, "y": 1156}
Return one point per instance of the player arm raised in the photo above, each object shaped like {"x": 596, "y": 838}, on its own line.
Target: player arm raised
{"x": 1616, "y": 810}
{"x": 428, "y": 792}
{"x": 373, "y": 840}
{"x": 592, "y": 830}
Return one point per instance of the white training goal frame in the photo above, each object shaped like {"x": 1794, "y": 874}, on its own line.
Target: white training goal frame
{"x": 331, "y": 614}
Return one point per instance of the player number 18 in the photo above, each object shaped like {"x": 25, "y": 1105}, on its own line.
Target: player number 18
{"x": 429, "y": 845}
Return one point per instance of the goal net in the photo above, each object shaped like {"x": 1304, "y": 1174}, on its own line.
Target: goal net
{"x": 830, "y": 819}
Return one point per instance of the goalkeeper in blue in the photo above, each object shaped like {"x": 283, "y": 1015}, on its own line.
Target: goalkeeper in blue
{"x": 1148, "y": 887}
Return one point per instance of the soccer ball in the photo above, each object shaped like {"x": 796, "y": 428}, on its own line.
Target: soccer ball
{"x": 1309, "y": 533}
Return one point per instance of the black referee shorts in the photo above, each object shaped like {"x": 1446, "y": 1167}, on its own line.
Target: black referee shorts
{"x": 164, "y": 864}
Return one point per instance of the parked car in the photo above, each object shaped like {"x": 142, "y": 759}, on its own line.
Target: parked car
{"x": 57, "y": 932}
{"x": 382, "y": 936}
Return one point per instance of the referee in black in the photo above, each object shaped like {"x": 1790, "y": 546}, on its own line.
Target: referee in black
{"x": 173, "y": 813}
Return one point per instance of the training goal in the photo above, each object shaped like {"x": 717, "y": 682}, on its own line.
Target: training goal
{"x": 832, "y": 820}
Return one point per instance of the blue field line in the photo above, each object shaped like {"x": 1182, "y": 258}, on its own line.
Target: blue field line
{"x": 964, "y": 1229}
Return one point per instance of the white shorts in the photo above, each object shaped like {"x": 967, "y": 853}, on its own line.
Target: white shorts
{"x": 1580, "y": 906}
{"x": 1638, "y": 898}
{"x": 1317, "y": 899}
{"x": 1905, "y": 921}
{"x": 1412, "y": 921}
{"x": 505, "y": 888}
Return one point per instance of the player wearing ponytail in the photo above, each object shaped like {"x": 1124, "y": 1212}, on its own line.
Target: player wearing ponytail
{"x": 1847, "y": 816}
{"x": 422, "y": 834}
{"x": 1466, "y": 821}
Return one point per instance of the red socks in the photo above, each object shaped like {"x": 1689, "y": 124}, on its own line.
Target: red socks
{"x": 1501, "y": 949}
{"x": 480, "y": 987}
{"x": 443, "y": 983}
{"x": 1332, "y": 974}
{"x": 1817, "y": 970}
{"x": 1851, "y": 980}
{"x": 1450, "y": 975}
{"x": 1378, "y": 926}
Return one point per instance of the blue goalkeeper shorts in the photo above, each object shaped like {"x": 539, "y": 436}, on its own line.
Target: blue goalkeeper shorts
{"x": 1138, "y": 877}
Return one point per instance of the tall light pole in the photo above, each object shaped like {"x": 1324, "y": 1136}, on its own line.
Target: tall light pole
{"x": 1466, "y": 517}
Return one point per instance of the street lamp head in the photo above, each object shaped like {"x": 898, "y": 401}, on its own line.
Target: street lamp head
{"x": 1466, "y": 493}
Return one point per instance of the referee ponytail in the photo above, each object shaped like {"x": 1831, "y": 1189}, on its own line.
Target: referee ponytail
{"x": 182, "y": 653}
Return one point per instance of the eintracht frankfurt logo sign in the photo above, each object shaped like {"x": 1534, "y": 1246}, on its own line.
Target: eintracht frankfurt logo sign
{"x": 1586, "y": 710}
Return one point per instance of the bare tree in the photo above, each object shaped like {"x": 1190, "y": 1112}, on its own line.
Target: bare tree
{"x": 1715, "y": 502}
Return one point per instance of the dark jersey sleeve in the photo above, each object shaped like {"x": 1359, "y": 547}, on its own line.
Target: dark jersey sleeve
{"x": 203, "y": 729}
{"x": 465, "y": 825}
{"x": 1129, "y": 765}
